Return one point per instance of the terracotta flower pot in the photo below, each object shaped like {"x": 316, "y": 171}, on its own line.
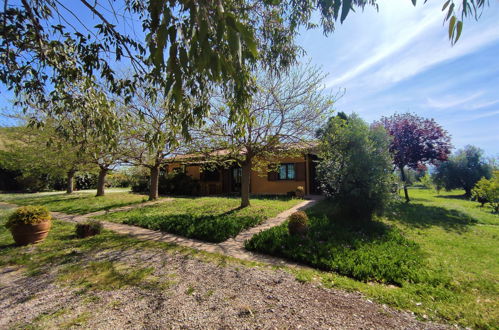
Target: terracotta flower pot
{"x": 30, "y": 234}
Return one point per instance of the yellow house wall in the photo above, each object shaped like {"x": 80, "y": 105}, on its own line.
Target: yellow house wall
{"x": 193, "y": 171}
{"x": 261, "y": 186}
{"x": 259, "y": 182}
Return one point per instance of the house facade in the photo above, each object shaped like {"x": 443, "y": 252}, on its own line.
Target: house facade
{"x": 293, "y": 172}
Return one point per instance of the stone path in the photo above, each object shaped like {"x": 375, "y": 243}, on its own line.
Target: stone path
{"x": 233, "y": 247}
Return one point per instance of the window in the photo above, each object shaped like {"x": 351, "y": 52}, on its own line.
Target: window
{"x": 287, "y": 171}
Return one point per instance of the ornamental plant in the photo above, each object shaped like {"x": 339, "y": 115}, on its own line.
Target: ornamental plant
{"x": 28, "y": 215}
{"x": 89, "y": 228}
{"x": 298, "y": 223}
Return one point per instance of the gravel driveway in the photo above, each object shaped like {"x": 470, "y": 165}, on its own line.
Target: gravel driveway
{"x": 199, "y": 295}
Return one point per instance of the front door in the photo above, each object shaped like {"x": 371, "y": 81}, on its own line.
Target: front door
{"x": 236, "y": 175}
{"x": 314, "y": 184}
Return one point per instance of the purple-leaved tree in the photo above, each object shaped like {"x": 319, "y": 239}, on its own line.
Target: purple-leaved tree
{"x": 416, "y": 141}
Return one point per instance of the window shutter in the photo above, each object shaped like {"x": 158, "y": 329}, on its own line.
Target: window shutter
{"x": 300, "y": 171}
{"x": 272, "y": 175}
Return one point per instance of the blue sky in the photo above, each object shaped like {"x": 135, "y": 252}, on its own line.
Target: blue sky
{"x": 400, "y": 59}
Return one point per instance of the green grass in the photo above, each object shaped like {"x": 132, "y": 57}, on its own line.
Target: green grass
{"x": 70, "y": 256}
{"x": 370, "y": 252}
{"x": 213, "y": 219}
{"x": 77, "y": 203}
{"x": 459, "y": 242}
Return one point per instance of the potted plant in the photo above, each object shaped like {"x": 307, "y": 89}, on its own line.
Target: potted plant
{"x": 29, "y": 224}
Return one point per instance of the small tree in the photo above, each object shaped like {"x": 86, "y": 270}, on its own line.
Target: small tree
{"x": 463, "y": 170}
{"x": 283, "y": 116}
{"x": 416, "y": 141}
{"x": 151, "y": 133}
{"x": 355, "y": 166}
{"x": 487, "y": 191}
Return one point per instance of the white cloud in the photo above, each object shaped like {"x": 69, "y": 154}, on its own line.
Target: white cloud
{"x": 453, "y": 101}
{"x": 405, "y": 41}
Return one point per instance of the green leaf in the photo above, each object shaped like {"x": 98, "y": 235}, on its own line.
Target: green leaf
{"x": 346, "y": 6}
{"x": 451, "y": 10}
{"x": 452, "y": 23}
{"x": 459, "y": 30}
{"x": 445, "y": 5}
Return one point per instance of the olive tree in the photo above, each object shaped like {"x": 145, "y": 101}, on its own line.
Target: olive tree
{"x": 463, "y": 170}
{"x": 355, "y": 166}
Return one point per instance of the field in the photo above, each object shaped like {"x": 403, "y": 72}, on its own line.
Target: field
{"x": 457, "y": 279}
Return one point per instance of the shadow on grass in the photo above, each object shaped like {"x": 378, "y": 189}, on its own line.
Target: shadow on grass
{"x": 423, "y": 216}
{"x": 460, "y": 197}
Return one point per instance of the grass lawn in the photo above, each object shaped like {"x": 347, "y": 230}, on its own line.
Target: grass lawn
{"x": 213, "y": 219}
{"x": 80, "y": 202}
{"x": 442, "y": 252}
{"x": 88, "y": 266}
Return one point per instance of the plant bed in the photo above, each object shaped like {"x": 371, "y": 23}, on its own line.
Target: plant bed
{"x": 213, "y": 219}
{"x": 371, "y": 252}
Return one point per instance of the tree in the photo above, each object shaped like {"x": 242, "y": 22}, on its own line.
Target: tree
{"x": 283, "y": 116}
{"x": 355, "y": 166}
{"x": 186, "y": 46}
{"x": 487, "y": 191}
{"x": 416, "y": 141}
{"x": 151, "y": 134}
{"x": 41, "y": 152}
{"x": 463, "y": 170}
{"x": 81, "y": 131}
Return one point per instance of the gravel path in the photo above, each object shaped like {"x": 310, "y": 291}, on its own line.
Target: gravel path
{"x": 198, "y": 295}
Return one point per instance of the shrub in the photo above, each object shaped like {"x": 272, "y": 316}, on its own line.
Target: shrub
{"x": 89, "y": 228}
{"x": 178, "y": 184}
{"x": 487, "y": 191}
{"x": 426, "y": 181}
{"x": 298, "y": 223}
{"x": 355, "y": 167}
{"x": 300, "y": 192}
{"x": 28, "y": 215}
{"x": 85, "y": 180}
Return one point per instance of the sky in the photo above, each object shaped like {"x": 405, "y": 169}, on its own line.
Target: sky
{"x": 399, "y": 60}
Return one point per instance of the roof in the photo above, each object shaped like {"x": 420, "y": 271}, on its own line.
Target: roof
{"x": 308, "y": 147}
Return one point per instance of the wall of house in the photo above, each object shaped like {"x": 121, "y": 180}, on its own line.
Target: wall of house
{"x": 260, "y": 185}
{"x": 193, "y": 171}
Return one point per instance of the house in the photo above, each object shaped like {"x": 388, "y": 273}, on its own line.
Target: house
{"x": 292, "y": 173}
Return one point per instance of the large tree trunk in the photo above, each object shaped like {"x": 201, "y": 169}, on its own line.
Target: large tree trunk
{"x": 404, "y": 180}
{"x": 245, "y": 183}
{"x": 70, "y": 182}
{"x": 153, "y": 190}
{"x": 101, "y": 182}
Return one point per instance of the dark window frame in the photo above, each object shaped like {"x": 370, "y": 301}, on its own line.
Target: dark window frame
{"x": 287, "y": 178}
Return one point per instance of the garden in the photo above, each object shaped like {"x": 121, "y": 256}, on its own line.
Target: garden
{"x": 212, "y": 219}
{"x": 437, "y": 256}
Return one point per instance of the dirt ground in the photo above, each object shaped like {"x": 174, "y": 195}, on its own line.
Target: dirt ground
{"x": 184, "y": 292}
